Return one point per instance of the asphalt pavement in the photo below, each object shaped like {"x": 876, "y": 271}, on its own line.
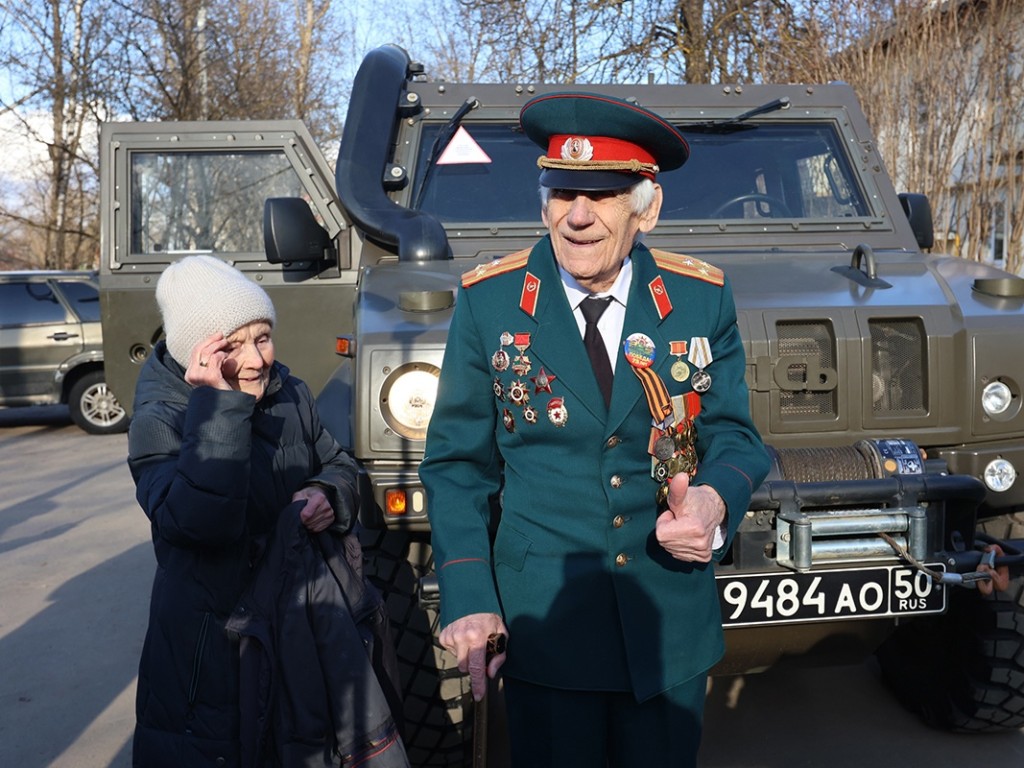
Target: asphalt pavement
{"x": 75, "y": 572}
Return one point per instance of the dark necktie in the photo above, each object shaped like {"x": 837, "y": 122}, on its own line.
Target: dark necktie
{"x": 592, "y": 309}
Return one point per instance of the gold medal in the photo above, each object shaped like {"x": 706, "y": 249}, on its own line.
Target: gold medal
{"x": 680, "y": 371}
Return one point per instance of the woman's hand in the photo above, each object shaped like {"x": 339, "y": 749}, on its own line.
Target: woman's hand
{"x": 318, "y": 514}
{"x": 204, "y": 366}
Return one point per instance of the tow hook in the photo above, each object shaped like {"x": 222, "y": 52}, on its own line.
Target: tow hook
{"x": 970, "y": 580}
{"x": 991, "y": 568}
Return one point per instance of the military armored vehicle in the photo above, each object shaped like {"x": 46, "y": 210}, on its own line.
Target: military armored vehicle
{"x": 886, "y": 379}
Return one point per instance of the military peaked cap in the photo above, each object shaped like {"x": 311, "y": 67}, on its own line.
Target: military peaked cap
{"x": 596, "y": 142}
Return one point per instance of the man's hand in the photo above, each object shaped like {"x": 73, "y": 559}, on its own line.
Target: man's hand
{"x": 686, "y": 530}
{"x": 318, "y": 514}
{"x": 467, "y": 639}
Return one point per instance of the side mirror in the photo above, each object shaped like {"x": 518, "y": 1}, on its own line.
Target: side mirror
{"x": 919, "y": 214}
{"x": 291, "y": 232}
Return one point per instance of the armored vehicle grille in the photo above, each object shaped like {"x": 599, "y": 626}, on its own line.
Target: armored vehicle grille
{"x": 810, "y": 343}
{"x": 898, "y": 364}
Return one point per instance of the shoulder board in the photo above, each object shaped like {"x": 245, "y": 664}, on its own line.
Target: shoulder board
{"x": 505, "y": 264}
{"x": 688, "y": 267}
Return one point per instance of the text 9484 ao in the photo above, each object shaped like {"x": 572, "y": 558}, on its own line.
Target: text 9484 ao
{"x": 828, "y": 595}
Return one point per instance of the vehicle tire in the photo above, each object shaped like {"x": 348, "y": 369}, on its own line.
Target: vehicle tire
{"x": 93, "y": 406}
{"x": 438, "y": 703}
{"x": 964, "y": 671}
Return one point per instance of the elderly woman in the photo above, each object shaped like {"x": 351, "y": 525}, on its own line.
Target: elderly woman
{"x": 222, "y": 439}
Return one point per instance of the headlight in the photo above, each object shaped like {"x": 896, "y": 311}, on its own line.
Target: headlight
{"x": 1000, "y": 475}
{"x": 996, "y": 398}
{"x": 407, "y": 399}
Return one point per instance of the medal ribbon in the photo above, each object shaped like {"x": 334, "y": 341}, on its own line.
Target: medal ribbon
{"x": 658, "y": 399}
{"x": 700, "y": 351}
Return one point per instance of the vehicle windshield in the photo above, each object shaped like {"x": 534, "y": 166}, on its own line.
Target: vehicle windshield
{"x": 778, "y": 170}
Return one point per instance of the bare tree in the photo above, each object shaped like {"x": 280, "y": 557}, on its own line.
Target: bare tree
{"x": 607, "y": 40}
{"x": 234, "y": 59}
{"x": 942, "y": 86}
{"x": 51, "y": 49}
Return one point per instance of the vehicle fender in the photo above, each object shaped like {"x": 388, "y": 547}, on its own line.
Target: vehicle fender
{"x": 93, "y": 359}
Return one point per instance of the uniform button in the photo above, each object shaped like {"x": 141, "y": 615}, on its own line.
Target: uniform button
{"x": 619, "y": 521}
{"x": 612, "y": 441}
{"x": 621, "y": 560}
{"x": 616, "y": 481}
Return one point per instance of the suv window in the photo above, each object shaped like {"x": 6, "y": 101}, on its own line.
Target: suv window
{"x": 787, "y": 171}
{"x": 84, "y": 299}
{"x": 30, "y": 303}
{"x": 205, "y": 202}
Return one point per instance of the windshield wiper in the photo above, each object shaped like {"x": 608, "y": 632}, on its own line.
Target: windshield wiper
{"x": 715, "y": 126}
{"x": 441, "y": 141}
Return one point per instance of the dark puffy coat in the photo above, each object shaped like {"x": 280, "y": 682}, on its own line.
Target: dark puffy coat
{"x": 319, "y": 676}
{"x": 212, "y": 471}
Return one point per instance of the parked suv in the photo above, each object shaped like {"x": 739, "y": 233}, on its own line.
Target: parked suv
{"x": 51, "y": 347}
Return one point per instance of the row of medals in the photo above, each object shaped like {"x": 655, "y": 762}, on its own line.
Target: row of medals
{"x": 518, "y": 391}
{"x": 673, "y": 444}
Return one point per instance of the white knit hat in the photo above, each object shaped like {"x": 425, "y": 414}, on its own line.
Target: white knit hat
{"x": 201, "y": 295}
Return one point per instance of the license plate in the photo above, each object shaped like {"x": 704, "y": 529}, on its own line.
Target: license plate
{"x": 829, "y": 595}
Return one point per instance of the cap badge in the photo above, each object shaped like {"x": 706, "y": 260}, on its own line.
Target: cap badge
{"x": 577, "y": 148}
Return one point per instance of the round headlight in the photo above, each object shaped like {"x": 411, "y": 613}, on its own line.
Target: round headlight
{"x": 407, "y": 399}
{"x": 1000, "y": 475}
{"x": 996, "y": 398}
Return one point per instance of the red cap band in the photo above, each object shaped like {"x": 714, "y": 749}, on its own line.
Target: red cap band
{"x": 596, "y": 149}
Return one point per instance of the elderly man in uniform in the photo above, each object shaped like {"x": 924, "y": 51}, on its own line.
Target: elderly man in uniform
{"x": 590, "y": 455}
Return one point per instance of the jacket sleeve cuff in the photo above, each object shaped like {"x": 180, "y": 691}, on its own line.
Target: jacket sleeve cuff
{"x": 467, "y": 587}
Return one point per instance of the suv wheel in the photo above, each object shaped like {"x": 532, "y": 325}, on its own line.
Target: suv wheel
{"x": 438, "y": 725}
{"x": 93, "y": 406}
{"x": 964, "y": 671}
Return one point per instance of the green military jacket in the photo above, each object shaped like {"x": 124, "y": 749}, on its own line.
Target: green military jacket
{"x": 591, "y": 599}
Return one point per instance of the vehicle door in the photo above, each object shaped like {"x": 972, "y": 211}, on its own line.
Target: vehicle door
{"x": 37, "y": 334}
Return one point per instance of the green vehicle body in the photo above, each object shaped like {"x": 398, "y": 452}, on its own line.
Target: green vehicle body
{"x": 867, "y": 354}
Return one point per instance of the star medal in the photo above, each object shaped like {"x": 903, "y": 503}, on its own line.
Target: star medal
{"x": 639, "y": 349}
{"x": 500, "y": 361}
{"x": 508, "y": 420}
{"x": 530, "y": 414}
{"x": 680, "y": 370}
{"x": 517, "y": 393}
{"x": 700, "y": 356}
{"x": 557, "y": 414}
{"x": 542, "y": 381}
{"x": 521, "y": 364}
{"x": 499, "y": 389}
